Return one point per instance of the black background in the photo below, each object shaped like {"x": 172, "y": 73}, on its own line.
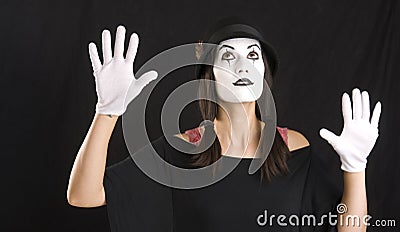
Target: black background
{"x": 48, "y": 93}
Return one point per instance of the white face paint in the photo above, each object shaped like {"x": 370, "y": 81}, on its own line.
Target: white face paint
{"x": 235, "y": 60}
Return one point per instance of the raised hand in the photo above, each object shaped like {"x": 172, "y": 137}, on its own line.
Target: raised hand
{"x": 114, "y": 77}
{"x": 359, "y": 133}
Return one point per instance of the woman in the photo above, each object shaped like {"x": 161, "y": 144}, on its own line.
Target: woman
{"x": 295, "y": 183}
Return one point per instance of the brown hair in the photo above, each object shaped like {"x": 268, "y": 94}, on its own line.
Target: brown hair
{"x": 276, "y": 162}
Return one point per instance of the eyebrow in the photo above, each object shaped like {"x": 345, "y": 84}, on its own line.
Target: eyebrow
{"x": 234, "y": 48}
{"x": 226, "y": 46}
{"x": 254, "y": 45}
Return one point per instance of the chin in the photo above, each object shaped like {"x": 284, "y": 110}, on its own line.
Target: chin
{"x": 242, "y": 98}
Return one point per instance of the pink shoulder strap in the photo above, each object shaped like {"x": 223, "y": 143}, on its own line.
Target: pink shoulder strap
{"x": 194, "y": 135}
{"x": 283, "y": 131}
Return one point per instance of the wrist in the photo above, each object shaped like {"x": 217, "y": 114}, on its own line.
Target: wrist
{"x": 108, "y": 117}
{"x": 354, "y": 180}
{"x": 352, "y": 174}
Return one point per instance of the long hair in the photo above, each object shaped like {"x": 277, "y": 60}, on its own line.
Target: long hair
{"x": 276, "y": 162}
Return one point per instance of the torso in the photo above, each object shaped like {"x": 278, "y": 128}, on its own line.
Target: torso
{"x": 235, "y": 202}
{"x": 231, "y": 204}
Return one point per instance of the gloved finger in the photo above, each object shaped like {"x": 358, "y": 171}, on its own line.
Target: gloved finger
{"x": 330, "y": 137}
{"x": 139, "y": 85}
{"x": 346, "y": 108}
{"x": 357, "y": 104}
{"x": 132, "y": 47}
{"x": 106, "y": 42}
{"x": 119, "y": 42}
{"x": 146, "y": 78}
{"x": 376, "y": 114}
{"x": 365, "y": 106}
{"x": 94, "y": 57}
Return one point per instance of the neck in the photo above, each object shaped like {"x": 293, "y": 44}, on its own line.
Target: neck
{"x": 239, "y": 118}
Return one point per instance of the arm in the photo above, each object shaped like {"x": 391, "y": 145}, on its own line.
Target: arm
{"x": 115, "y": 82}
{"x": 85, "y": 187}
{"x": 353, "y": 146}
{"x": 355, "y": 198}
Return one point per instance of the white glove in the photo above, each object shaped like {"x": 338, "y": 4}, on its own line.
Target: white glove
{"x": 359, "y": 133}
{"x": 115, "y": 75}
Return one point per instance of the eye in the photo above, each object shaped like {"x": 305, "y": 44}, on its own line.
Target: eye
{"x": 253, "y": 55}
{"x": 228, "y": 56}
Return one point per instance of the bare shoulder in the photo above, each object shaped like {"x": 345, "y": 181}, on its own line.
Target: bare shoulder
{"x": 182, "y": 136}
{"x": 296, "y": 140}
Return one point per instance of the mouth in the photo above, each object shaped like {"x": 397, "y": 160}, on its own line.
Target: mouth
{"x": 242, "y": 82}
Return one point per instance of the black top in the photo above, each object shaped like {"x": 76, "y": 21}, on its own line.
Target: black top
{"x": 238, "y": 202}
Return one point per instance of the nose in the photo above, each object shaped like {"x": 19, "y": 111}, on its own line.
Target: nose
{"x": 241, "y": 67}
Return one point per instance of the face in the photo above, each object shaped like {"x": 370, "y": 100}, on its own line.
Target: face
{"x": 239, "y": 70}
